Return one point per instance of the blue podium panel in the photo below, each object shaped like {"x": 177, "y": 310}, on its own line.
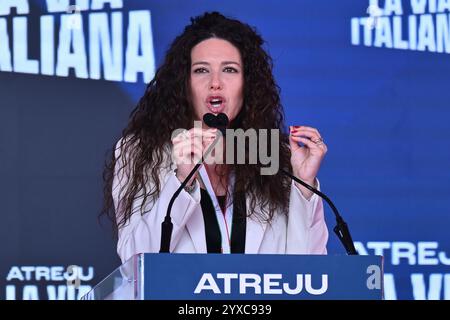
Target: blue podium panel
{"x": 259, "y": 277}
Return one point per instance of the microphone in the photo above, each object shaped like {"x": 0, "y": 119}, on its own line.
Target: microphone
{"x": 220, "y": 122}
{"x": 341, "y": 228}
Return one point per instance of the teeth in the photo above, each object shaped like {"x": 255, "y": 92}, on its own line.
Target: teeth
{"x": 215, "y": 103}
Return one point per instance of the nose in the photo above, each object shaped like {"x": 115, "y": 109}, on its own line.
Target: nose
{"x": 216, "y": 82}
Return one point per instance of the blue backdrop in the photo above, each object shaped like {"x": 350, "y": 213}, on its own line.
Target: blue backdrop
{"x": 375, "y": 87}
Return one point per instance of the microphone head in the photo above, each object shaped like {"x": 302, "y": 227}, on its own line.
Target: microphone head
{"x": 210, "y": 120}
{"x": 220, "y": 121}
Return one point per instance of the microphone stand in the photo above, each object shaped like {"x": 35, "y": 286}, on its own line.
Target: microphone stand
{"x": 341, "y": 228}
{"x": 167, "y": 226}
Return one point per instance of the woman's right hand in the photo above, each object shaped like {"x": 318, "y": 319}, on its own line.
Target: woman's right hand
{"x": 188, "y": 148}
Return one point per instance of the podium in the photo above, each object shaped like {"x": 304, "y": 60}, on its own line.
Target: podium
{"x": 163, "y": 276}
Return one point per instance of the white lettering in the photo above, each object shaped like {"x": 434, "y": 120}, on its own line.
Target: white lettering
{"x": 139, "y": 36}
{"x": 425, "y": 252}
{"x": 207, "y": 282}
{"x": 405, "y": 250}
{"x": 323, "y": 288}
{"x": 269, "y": 284}
{"x": 399, "y": 43}
{"x": 249, "y": 280}
{"x": 56, "y": 292}
{"x": 21, "y": 6}
{"x": 447, "y": 287}
{"x": 367, "y": 31}
{"x": 393, "y": 7}
{"x": 361, "y": 249}
{"x": 28, "y": 271}
{"x": 297, "y": 289}
{"x": 20, "y": 48}
{"x": 418, "y": 6}
{"x": 389, "y": 287}
{"x": 10, "y": 292}
{"x": 111, "y": 50}
{"x": 383, "y": 33}
{"x": 419, "y": 287}
{"x": 66, "y": 59}
{"x": 5, "y": 52}
{"x": 227, "y": 281}
{"x": 443, "y": 258}
{"x": 86, "y": 277}
{"x": 15, "y": 274}
{"x": 412, "y": 32}
{"x": 426, "y": 33}
{"x": 42, "y": 272}
{"x": 57, "y": 5}
{"x": 54, "y": 6}
{"x": 355, "y": 31}
{"x": 99, "y": 4}
{"x": 432, "y": 6}
{"x": 442, "y": 33}
{"x": 443, "y": 5}
{"x": 378, "y": 247}
{"x": 57, "y": 273}
{"x": 30, "y": 293}
{"x": 47, "y": 46}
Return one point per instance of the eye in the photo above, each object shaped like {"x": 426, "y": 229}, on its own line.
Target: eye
{"x": 230, "y": 70}
{"x": 200, "y": 70}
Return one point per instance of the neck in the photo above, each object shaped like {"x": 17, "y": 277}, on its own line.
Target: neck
{"x": 218, "y": 175}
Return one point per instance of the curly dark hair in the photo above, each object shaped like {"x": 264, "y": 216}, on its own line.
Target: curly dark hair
{"x": 165, "y": 106}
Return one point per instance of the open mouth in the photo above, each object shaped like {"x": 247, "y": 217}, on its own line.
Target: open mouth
{"x": 215, "y": 104}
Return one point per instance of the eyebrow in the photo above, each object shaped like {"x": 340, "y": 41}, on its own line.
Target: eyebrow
{"x": 223, "y": 63}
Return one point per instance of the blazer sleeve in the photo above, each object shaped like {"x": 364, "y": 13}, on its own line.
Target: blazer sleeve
{"x": 142, "y": 232}
{"x": 307, "y": 232}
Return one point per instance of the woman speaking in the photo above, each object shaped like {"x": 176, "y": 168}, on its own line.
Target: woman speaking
{"x": 217, "y": 65}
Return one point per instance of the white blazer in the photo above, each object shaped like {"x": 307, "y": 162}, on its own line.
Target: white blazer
{"x": 302, "y": 231}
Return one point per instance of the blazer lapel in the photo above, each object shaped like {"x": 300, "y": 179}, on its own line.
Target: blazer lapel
{"x": 253, "y": 237}
{"x": 254, "y": 233}
{"x": 196, "y": 229}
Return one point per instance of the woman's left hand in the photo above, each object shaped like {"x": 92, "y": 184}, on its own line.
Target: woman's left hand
{"x": 306, "y": 159}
